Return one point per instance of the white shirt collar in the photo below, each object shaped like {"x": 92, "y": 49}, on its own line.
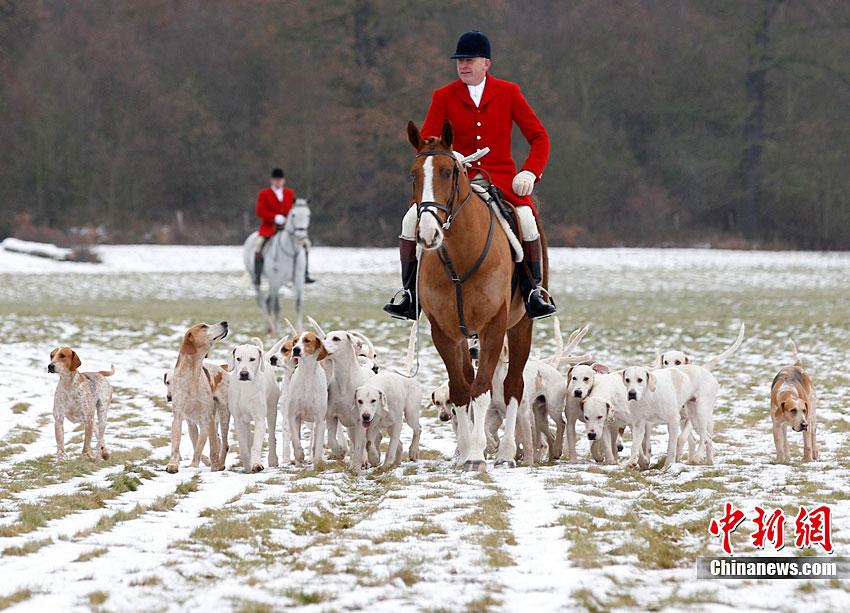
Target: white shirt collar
{"x": 278, "y": 193}
{"x": 476, "y": 91}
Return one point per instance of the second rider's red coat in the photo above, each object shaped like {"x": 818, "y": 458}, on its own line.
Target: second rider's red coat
{"x": 268, "y": 206}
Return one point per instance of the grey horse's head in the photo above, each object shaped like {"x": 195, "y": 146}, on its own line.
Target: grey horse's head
{"x": 298, "y": 220}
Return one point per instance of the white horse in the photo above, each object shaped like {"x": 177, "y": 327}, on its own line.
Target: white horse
{"x": 285, "y": 264}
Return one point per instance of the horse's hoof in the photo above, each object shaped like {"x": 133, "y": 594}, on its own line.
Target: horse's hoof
{"x": 171, "y": 468}
{"x": 505, "y": 464}
{"x": 257, "y": 468}
{"x": 478, "y": 466}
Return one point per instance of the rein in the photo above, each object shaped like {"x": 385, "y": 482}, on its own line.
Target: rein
{"x": 442, "y": 252}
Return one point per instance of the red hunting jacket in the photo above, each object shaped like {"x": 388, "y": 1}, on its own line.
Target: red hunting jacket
{"x": 490, "y": 125}
{"x": 268, "y": 206}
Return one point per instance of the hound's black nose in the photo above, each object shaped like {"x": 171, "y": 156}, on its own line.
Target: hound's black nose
{"x": 804, "y": 427}
{"x": 577, "y": 393}
{"x": 273, "y": 360}
{"x": 591, "y": 436}
{"x": 619, "y": 447}
{"x": 445, "y": 417}
{"x": 243, "y": 376}
{"x": 632, "y": 395}
{"x": 51, "y": 368}
{"x": 296, "y": 351}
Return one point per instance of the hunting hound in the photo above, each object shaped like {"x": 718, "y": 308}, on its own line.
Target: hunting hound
{"x": 79, "y": 397}
{"x": 793, "y": 400}
{"x": 253, "y": 397}
{"x": 307, "y": 398}
{"x": 199, "y": 397}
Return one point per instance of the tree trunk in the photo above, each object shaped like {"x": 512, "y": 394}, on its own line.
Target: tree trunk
{"x": 756, "y": 84}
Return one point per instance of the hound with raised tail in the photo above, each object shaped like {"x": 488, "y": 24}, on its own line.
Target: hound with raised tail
{"x": 196, "y": 397}
{"x": 307, "y": 398}
{"x": 792, "y": 403}
{"x": 700, "y": 405}
{"x": 253, "y": 397}
{"x": 655, "y": 397}
{"x": 79, "y": 397}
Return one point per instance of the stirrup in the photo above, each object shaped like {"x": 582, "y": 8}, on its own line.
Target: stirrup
{"x": 551, "y": 311}
{"x": 392, "y": 303}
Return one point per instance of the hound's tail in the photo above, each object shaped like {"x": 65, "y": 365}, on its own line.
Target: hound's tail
{"x": 112, "y": 372}
{"x": 799, "y": 362}
{"x": 719, "y": 358}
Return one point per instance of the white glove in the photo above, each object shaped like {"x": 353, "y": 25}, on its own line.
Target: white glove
{"x": 523, "y": 183}
{"x": 280, "y": 219}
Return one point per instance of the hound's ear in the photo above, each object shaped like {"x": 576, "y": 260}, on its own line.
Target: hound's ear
{"x": 262, "y": 361}
{"x": 231, "y": 360}
{"x": 323, "y": 353}
{"x": 782, "y": 407}
{"x": 75, "y": 361}
{"x": 52, "y": 353}
{"x": 383, "y": 398}
{"x": 414, "y": 136}
{"x": 448, "y": 134}
{"x": 188, "y": 346}
{"x": 687, "y": 360}
{"x": 433, "y": 399}
{"x": 610, "y": 413}
{"x": 165, "y": 378}
{"x": 650, "y": 381}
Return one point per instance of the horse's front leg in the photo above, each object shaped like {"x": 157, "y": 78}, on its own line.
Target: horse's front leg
{"x": 491, "y": 340}
{"x": 519, "y": 344}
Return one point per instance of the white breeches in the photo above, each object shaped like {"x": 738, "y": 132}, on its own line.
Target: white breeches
{"x": 527, "y": 222}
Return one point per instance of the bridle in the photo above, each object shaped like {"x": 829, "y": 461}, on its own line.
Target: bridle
{"x": 448, "y": 208}
{"x": 442, "y": 252}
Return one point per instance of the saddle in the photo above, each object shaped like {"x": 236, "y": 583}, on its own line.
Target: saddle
{"x": 507, "y": 209}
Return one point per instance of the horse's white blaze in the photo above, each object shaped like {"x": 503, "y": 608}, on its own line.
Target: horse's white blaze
{"x": 429, "y": 227}
{"x": 428, "y": 181}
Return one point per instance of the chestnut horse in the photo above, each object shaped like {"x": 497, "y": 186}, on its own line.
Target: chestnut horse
{"x": 465, "y": 278}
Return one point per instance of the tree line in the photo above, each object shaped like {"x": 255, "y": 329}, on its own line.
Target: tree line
{"x": 672, "y": 122}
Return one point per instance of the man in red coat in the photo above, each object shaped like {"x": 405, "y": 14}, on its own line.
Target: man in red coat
{"x": 273, "y": 205}
{"x": 482, "y": 110}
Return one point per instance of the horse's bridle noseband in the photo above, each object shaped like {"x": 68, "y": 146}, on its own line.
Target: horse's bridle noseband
{"x": 448, "y": 208}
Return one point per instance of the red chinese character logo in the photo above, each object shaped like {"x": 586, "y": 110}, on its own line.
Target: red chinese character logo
{"x": 814, "y": 528}
{"x": 770, "y": 528}
{"x": 727, "y": 525}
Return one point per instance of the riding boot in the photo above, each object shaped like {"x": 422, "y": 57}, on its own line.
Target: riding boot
{"x": 406, "y": 307}
{"x": 258, "y": 268}
{"x": 530, "y": 278}
{"x": 307, "y": 277}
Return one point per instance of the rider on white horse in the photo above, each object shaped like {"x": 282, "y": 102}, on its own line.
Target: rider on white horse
{"x": 482, "y": 110}
{"x": 273, "y": 205}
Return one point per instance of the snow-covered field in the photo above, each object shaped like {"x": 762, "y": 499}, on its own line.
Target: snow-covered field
{"x": 124, "y": 535}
